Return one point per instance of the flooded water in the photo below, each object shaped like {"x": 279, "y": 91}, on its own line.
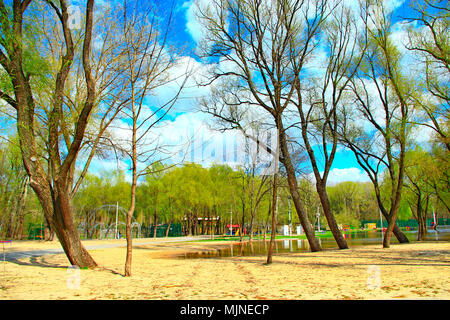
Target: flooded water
{"x": 260, "y": 247}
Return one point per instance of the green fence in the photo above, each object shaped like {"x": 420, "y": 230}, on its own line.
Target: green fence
{"x": 35, "y": 232}
{"x": 412, "y": 223}
{"x": 174, "y": 231}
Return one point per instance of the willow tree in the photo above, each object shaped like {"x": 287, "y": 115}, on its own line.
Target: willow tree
{"x": 418, "y": 193}
{"x": 13, "y": 191}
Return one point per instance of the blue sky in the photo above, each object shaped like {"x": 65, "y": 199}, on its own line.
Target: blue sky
{"x": 185, "y": 32}
{"x": 185, "y": 121}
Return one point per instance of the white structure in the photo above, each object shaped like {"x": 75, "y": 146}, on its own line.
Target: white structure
{"x": 285, "y": 230}
{"x": 318, "y": 219}
{"x": 299, "y": 230}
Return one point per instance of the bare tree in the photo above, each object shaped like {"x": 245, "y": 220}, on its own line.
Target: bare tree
{"x": 319, "y": 99}
{"x": 108, "y": 67}
{"x": 254, "y": 37}
{"x": 384, "y": 104}
{"x": 151, "y": 65}
{"x": 430, "y": 41}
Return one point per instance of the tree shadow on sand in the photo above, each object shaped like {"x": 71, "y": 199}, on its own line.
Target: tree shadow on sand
{"x": 43, "y": 262}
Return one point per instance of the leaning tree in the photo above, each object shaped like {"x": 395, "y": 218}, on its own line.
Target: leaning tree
{"x": 50, "y": 172}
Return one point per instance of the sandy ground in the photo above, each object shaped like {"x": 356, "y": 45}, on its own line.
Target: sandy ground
{"x": 408, "y": 271}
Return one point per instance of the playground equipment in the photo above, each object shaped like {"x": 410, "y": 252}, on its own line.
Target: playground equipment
{"x": 370, "y": 226}
{"x": 235, "y": 229}
{"x": 90, "y": 228}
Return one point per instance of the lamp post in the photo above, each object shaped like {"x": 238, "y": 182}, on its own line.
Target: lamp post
{"x": 434, "y": 218}
{"x": 290, "y": 220}
{"x": 318, "y": 219}
{"x": 381, "y": 221}
{"x": 117, "y": 214}
{"x": 231, "y": 223}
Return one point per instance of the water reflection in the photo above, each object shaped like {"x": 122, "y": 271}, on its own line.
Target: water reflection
{"x": 260, "y": 247}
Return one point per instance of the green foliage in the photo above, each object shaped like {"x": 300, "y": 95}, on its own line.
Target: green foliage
{"x": 404, "y": 212}
{"x": 348, "y": 219}
{"x": 37, "y": 62}
{"x": 106, "y": 188}
{"x": 17, "y": 209}
{"x": 353, "y": 199}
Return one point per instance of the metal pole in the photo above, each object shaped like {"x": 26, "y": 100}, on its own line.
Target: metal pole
{"x": 318, "y": 218}
{"x": 231, "y": 223}
{"x": 290, "y": 220}
{"x": 434, "y": 218}
{"x": 117, "y": 213}
{"x": 381, "y": 221}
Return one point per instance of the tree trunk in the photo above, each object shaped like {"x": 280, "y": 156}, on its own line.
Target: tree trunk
{"x": 389, "y": 230}
{"x": 218, "y": 226}
{"x": 325, "y": 201}
{"x": 397, "y": 232}
{"x": 156, "y": 223}
{"x": 392, "y": 216}
{"x": 67, "y": 233}
{"x": 293, "y": 188}
{"x": 188, "y": 224}
{"x": 421, "y": 220}
{"x": 133, "y": 182}
{"x": 266, "y": 224}
{"x": 20, "y": 227}
{"x": 195, "y": 224}
{"x": 130, "y": 212}
{"x": 274, "y": 216}
{"x": 57, "y": 209}
{"x": 250, "y": 229}
{"x": 241, "y": 228}
{"x": 47, "y": 231}
{"x": 129, "y": 256}
{"x": 321, "y": 181}
{"x": 21, "y": 211}
{"x": 203, "y": 223}
{"x": 168, "y": 229}
{"x": 252, "y": 205}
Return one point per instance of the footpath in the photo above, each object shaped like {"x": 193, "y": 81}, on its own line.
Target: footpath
{"x": 16, "y": 255}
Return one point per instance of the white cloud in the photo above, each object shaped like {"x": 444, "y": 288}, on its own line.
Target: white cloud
{"x": 392, "y": 5}
{"x": 193, "y": 26}
{"x": 187, "y": 138}
{"x": 200, "y": 143}
{"x": 422, "y": 134}
{"x": 347, "y": 174}
{"x": 337, "y": 175}
{"x": 190, "y": 74}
